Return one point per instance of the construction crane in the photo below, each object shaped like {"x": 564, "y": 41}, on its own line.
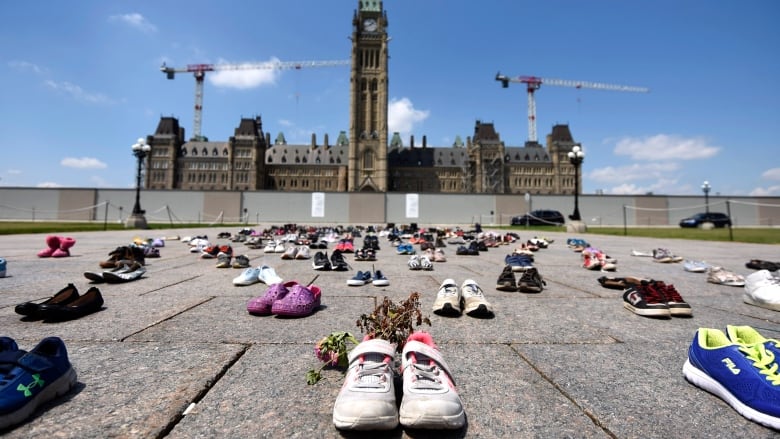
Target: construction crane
{"x": 199, "y": 71}
{"x": 533, "y": 83}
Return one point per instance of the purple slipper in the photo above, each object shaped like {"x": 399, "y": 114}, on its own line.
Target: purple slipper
{"x": 299, "y": 302}
{"x": 261, "y": 305}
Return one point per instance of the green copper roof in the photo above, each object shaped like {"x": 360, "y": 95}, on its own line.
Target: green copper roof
{"x": 370, "y": 5}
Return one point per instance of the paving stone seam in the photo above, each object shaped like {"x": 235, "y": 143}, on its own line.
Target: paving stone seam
{"x": 175, "y": 420}
{"x": 208, "y": 299}
{"x": 170, "y": 285}
{"x": 592, "y": 416}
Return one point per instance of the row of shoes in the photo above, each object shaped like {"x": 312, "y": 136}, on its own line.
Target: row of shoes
{"x": 469, "y": 298}
{"x": 336, "y": 262}
{"x": 530, "y": 281}
{"x": 367, "y": 400}
{"x": 66, "y": 304}
{"x": 57, "y": 247}
{"x": 289, "y": 299}
{"x": 31, "y": 379}
{"x": 740, "y": 367}
{"x": 252, "y": 275}
{"x": 377, "y": 278}
{"x": 655, "y": 298}
{"x": 124, "y": 271}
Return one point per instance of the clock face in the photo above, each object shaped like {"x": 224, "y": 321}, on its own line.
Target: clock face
{"x": 369, "y": 24}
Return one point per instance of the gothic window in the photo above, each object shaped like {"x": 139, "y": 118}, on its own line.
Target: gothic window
{"x": 194, "y": 151}
{"x": 214, "y": 152}
{"x": 331, "y": 160}
{"x": 297, "y": 159}
{"x": 368, "y": 159}
{"x": 184, "y": 151}
{"x": 305, "y": 160}
{"x": 284, "y": 159}
{"x": 224, "y": 152}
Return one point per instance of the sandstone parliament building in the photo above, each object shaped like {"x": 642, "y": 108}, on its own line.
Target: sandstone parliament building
{"x": 365, "y": 158}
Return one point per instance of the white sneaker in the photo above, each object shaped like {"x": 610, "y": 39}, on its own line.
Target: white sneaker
{"x": 447, "y": 301}
{"x": 430, "y": 400}
{"x": 762, "y": 289}
{"x": 290, "y": 252}
{"x": 367, "y": 398}
{"x": 268, "y": 275}
{"x": 303, "y": 253}
{"x": 269, "y": 247}
{"x": 425, "y": 263}
{"x": 474, "y": 303}
{"x": 250, "y": 276}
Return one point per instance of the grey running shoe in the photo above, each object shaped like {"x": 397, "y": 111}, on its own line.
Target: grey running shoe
{"x": 367, "y": 398}
{"x": 447, "y": 301}
{"x": 474, "y": 303}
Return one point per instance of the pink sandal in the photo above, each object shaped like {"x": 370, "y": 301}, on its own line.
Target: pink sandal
{"x": 301, "y": 301}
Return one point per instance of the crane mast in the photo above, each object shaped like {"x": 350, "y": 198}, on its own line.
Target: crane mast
{"x": 199, "y": 72}
{"x": 533, "y": 83}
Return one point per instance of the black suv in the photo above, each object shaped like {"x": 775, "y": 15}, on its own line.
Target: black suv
{"x": 539, "y": 218}
{"x": 716, "y": 218}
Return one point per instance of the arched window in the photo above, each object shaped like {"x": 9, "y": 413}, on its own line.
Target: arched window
{"x": 194, "y": 151}
{"x": 214, "y": 152}
{"x": 205, "y": 151}
{"x": 224, "y": 152}
{"x": 184, "y": 151}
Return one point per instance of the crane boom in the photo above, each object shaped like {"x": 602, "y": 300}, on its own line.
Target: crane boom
{"x": 199, "y": 71}
{"x": 533, "y": 83}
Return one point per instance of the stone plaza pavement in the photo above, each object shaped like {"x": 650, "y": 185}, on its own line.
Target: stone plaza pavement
{"x": 568, "y": 362}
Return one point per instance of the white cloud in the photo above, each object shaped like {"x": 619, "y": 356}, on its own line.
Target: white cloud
{"x": 14, "y": 172}
{"x": 285, "y": 123}
{"x": 77, "y": 92}
{"x": 82, "y": 163}
{"x": 135, "y": 20}
{"x": 246, "y": 75}
{"x": 402, "y": 116}
{"x": 48, "y": 184}
{"x": 25, "y": 66}
{"x": 660, "y": 186}
{"x": 771, "y": 174}
{"x": 764, "y": 192}
{"x": 665, "y": 147}
{"x": 632, "y": 172}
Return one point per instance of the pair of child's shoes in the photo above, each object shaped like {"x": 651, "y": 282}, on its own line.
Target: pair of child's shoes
{"x": 58, "y": 247}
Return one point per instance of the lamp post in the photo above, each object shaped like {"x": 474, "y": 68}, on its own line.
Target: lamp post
{"x": 576, "y": 156}
{"x": 136, "y": 219}
{"x": 705, "y": 187}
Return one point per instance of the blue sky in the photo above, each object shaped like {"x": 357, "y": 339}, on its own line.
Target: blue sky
{"x": 81, "y": 82}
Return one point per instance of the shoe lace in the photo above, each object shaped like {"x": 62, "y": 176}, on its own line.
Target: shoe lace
{"x": 652, "y": 295}
{"x": 764, "y": 361}
{"x": 448, "y": 290}
{"x": 671, "y": 293}
{"x": 426, "y": 376}
{"x": 371, "y": 374}
{"x": 473, "y": 290}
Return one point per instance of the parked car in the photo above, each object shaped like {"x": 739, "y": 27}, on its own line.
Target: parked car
{"x": 539, "y": 218}
{"x": 716, "y": 218}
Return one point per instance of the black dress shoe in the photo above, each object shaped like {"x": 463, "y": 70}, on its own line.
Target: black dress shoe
{"x": 89, "y": 302}
{"x": 63, "y": 297}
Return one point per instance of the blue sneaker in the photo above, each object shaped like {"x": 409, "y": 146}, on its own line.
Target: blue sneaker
{"x": 32, "y": 378}
{"x": 3, "y": 264}
{"x": 518, "y": 262}
{"x": 745, "y": 376}
{"x": 359, "y": 279}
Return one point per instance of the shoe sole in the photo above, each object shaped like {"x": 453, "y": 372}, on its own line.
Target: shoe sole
{"x": 480, "y": 310}
{"x": 749, "y": 300}
{"x": 427, "y": 422}
{"x": 362, "y": 424}
{"x": 447, "y": 310}
{"x": 648, "y": 312}
{"x": 381, "y": 283}
{"x": 699, "y": 378}
{"x": 59, "y": 387}
{"x": 356, "y": 283}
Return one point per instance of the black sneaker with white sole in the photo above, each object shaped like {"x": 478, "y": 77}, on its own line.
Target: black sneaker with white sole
{"x": 646, "y": 301}
{"x": 321, "y": 261}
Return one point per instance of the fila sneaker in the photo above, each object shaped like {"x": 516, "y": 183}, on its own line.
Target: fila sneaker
{"x": 366, "y": 400}
{"x": 744, "y": 376}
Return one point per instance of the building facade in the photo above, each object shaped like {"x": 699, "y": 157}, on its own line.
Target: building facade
{"x": 361, "y": 159}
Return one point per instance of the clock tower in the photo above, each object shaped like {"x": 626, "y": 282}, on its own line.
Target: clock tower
{"x": 368, "y": 99}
